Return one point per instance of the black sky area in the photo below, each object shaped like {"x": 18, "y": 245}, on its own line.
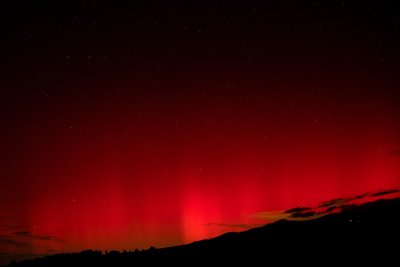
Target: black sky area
{"x": 178, "y": 42}
{"x": 61, "y": 58}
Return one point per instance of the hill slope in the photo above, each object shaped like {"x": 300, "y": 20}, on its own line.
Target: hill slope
{"x": 358, "y": 234}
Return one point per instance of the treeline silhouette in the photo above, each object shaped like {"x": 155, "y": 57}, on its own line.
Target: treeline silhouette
{"x": 359, "y": 234}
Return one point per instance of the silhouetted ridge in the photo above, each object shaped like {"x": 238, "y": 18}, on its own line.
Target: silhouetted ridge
{"x": 359, "y": 234}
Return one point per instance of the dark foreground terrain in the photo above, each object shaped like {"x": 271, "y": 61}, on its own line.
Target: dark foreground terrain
{"x": 364, "y": 234}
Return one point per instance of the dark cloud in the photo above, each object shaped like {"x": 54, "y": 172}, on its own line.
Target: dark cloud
{"x": 233, "y": 225}
{"x": 331, "y": 208}
{"x": 298, "y": 209}
{"x": 359, "y": 196}
{"x": 394, "y": 153}
{"x": 50, "y": 238}
{"x": 38, "y": 237}
{"x": 306, "y": 214}
{"x": 8, "y": 241}
{"x": 332, "y": 202}
{"x": 385, "y": 192}
{"x": 23, "y": 233}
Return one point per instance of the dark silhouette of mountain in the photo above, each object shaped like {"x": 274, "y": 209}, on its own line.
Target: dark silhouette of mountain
{"x": 368, "y": 233}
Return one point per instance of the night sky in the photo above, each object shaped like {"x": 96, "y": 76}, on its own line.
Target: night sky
{"x": 152, "y": 123}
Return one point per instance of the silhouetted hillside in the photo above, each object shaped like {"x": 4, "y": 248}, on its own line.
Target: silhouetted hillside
{"x": 361, "y": 234}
